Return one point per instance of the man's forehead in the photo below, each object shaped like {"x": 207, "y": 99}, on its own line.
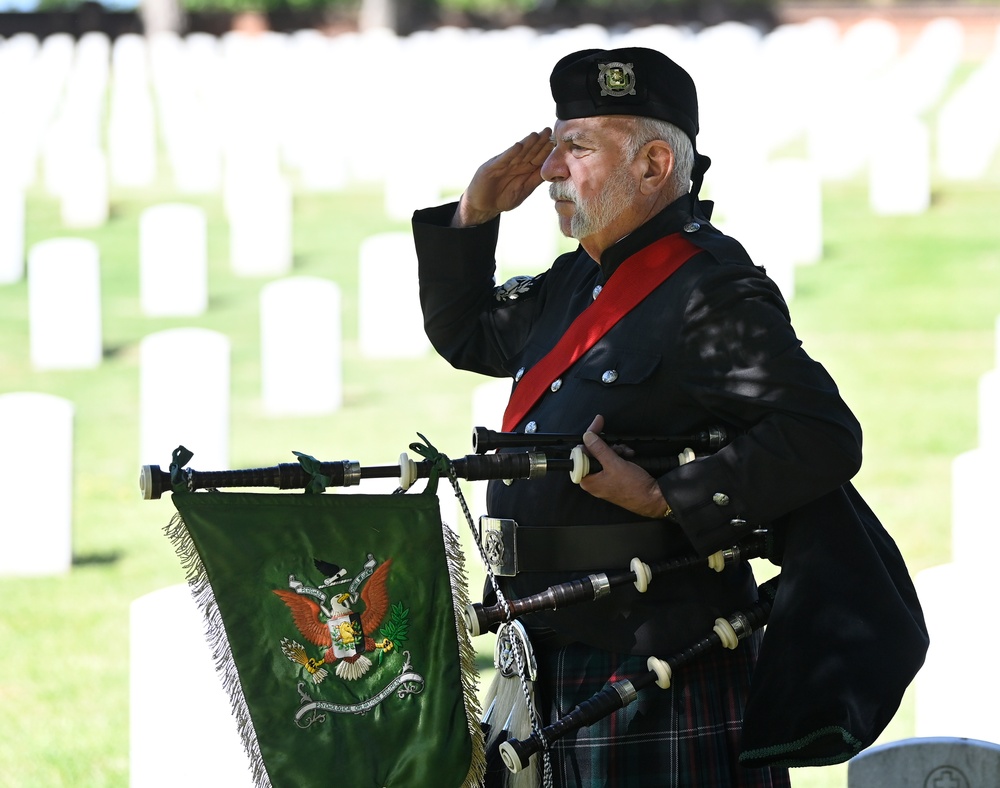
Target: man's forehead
{"x": 594, "y": 128}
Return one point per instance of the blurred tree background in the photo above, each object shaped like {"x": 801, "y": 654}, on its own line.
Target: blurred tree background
{"x": 117, "y": 17}
{"x": 403, "y": 16}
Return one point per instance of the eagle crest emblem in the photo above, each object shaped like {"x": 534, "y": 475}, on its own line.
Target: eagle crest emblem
{"x": 328, "y": 618}
{"x": 345, "y": 631}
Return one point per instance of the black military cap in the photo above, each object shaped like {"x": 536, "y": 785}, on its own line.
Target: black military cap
{"x": 628, "y": 81}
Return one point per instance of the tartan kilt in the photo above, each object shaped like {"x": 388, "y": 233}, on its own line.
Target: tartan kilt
{"x": 687, "y": 736}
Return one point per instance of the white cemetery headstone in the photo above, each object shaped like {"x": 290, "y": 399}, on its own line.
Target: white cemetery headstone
{"x": 300, "y": 346}
{"x": 529, "y": 236}
{"x": 836, "y": 143}
{"x": 316, "y": 136}
{"x": 917, "y": 80}
{"x": 84, "y": 197}
{"x": 996, "y": 334}
{"x": 390, "y": 323}
{"x": 932, "y": 762}
{"x": 36, "y": 484}
{"x": 18, "y": 152}
{"x": 11, "y": 234}
{"x": 975, "y": 522}
{"x": 489, "y": 401}
{"x": 795, "y": 185}
{"x": 899, "y": 171}
{"x": 132, "y": 150}
{"x": 181, "y": 727}
{"x": 968, "y": 132}
{"x": 64, "y": 304}
{"x": 260, "y": 226}
{"x": 870, "y": 46}
{"x": 746, "y": 200}
{"x": 23, "y": 98}
{"x": 181, "y": 72}
{"x": 184, "y": 397}
{"x": 132, "y": 135}
{"x": 811, "y": 47}
{"x": 173, "y": 260}
{"x": 58, "y": 152}
{"x": 956, "y": 690}
{"x": 989, "y": 410}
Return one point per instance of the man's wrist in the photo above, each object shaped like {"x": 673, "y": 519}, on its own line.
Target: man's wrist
{"x": 465, "y": 216}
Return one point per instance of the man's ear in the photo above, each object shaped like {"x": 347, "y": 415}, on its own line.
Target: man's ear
{"x": 657, "y": 160}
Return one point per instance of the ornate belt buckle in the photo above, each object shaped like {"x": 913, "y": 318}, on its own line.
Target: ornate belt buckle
{"x": 498, "y": 537}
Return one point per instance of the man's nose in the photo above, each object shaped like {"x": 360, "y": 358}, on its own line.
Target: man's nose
{"x": 553, "y": 168}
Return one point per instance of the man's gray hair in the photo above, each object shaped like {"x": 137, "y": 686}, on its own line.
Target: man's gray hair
{"x": 649, "y": 129}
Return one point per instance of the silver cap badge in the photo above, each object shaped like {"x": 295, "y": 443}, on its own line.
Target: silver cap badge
{"x": 616, "y": 79}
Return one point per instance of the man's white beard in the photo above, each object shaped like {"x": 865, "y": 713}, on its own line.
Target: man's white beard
{"x": 594, "y": 215}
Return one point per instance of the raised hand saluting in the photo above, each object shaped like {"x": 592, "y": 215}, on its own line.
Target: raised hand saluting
{"x": 505, "y": 181}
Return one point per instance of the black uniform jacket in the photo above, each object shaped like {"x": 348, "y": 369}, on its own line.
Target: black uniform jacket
{"x": 711, "y": 346}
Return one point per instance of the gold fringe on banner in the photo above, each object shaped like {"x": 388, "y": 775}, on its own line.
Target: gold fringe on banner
{"x": 467, "y": 654}
{"x": 204, "y": 597}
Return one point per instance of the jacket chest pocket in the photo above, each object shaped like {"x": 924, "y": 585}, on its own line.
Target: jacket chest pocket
{"x": 614, "y": 368}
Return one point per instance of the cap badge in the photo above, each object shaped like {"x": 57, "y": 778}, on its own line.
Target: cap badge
{"x": 616, "y": 79}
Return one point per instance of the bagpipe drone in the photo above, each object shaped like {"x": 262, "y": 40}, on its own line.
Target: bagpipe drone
{"x": 322, "y": 612}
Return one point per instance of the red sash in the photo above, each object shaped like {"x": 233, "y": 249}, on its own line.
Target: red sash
{"x": 635, "y": 279}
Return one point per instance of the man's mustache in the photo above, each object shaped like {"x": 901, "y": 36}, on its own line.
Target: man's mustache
{"x": 562, "y": 191}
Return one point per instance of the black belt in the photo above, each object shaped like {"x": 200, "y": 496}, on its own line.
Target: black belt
{"x": 511, "y": 548}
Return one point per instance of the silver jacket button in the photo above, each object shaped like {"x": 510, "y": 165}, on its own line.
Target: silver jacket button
{"x": 596, "y": 292}
{"x": 556, "y": 385}
{"x": 519, "y": 374}
{"x": 531, "y": 427}
{"x": 737, "y": 522}
{"x": 720, "y": 499}
{"x": 692, "y": 227}
{"x": 610, "y": 376}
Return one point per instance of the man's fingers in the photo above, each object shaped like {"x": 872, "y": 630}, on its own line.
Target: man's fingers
{"x": 597, "y": 448}
{"x": 537, "y": 150}
{"x": 531, "y": 151}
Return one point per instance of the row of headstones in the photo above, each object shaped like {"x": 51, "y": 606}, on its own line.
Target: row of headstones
{"x": 957, "y": 741}
{"x": 956, "y": 690}
{"x": 66, "y": 333}
{"x": 259, "y": 207}
{"x": 259, "y": 215}
{"x": 874, "y": 81}
{"x": 258, "y": 197}
{"x": 834, "y": 79}
{"x": 64, "y": 287}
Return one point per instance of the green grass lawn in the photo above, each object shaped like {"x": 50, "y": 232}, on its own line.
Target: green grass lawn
{"x": 901, "y": 310}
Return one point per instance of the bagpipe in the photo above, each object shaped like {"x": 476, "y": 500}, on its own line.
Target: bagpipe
{"x": 525, "y": 464}
{"x": 818, "y": 724}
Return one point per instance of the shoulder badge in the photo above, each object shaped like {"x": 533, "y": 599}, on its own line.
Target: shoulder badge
{"x": 514, "y": 288}
{"x": 616, "y": 79}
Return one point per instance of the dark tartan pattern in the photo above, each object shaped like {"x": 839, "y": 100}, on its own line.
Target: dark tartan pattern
{"x": 687, "y": 736}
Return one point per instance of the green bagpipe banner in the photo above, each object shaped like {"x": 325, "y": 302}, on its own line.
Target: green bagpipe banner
{"x": 335, "y": 623}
